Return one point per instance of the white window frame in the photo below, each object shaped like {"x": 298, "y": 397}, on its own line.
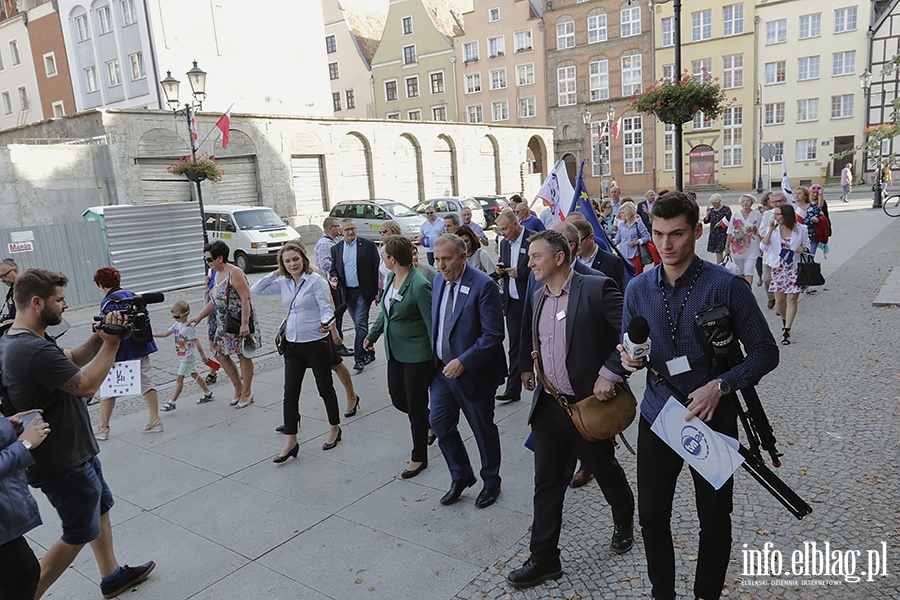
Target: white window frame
{"x": 474, "y": 114}
{"x": 350, "y": 99}
{"x": 15, "y": 55}
{"x": 845, "y": 19}
{"x": 668, "y": 32}
{"x": 668, "y": 73}
{"x": 843, "y": 63}
{"x": 58, "y": 108}
{"x": 807, "y": 110}
{"x": 24, "y": 101}
{"x": 82, "y": 28}
{"x": 403, "y": 22}
{"x": 630, "y": 21}
{"x": 701, "y": 69}
{"x": 7, "y": 102}
{"x": 414, "y": 114}
{"x": 596, "y": 28}
{"x": 733, "y": 137}
{"x": 631, "y": 84}
{"x": 523, "y": 40}
{"x": 405, "y": 59}
{"x": 633, "y": 145}
{"x": 330, "y": 44}
{"x": 668, "y": 147}
{"x": 808, "y": 67}
{"x": 113, "y": 73}
{"x": 396, "y": 90}
{"x": 805, "y": 150}
{"x": 527, "y": 107}
{"x": 777, "y": 67}
{"x": 700, "y": 121}
{"x": 526, "y": 70}
{"x": 104, "y": 19}
{"x": 701, "y": 25}
{"x": 773, "y": 113}
{"x": 598, "y": 75}
{"x": 732, "y": 71}
{"x": 91, "y": 84}
{"x": 50, "y": 67}
{"x": 503, "y": 106}
{"x": 406, "y": 82}
{"x": 566, "y": 86}
{"x": 334, "y": 71}
{"x": 732, "y": 20}
{"x": 496, "y": 46}
{"x": 565, "y": 34}
{"x": 435, "y": 113}
{"x": 844, "y": 101}
{"x": 470, "y": 51}
{"x": 494, "y": 15}
{"x": 336, "y": 102}
{"x": 392, "y": 116}
{"x": 776, "y": 32}
{"x": 129, "y": 13}
{"x": 472, "y": 83}
{"x": 138, "y": 69}
{"x": 599, "y": 152}
{"x": 810, "y": 26}
{"x": 497, "y": 79}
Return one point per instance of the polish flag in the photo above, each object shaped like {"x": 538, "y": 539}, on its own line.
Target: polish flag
{"x": 601, "y": 130}
{"x": 723, "y": 223}
{"x": 193, "y": 124}
{"x": 224, "y": 125}
{"x": 616, "y": 129}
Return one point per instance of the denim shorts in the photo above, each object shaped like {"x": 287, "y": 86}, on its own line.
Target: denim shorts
{"x": 79, "y": 497}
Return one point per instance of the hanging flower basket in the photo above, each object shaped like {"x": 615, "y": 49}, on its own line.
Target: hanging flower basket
{"x": 204, "y": 167}
{"x": 880, "y": 132}
{"x": 677, "y": 101}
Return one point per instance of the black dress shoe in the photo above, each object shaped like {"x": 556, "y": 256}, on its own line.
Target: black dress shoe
{"x": 456, "y": 490}
{"x": 532, "y": 573}
{"x": 330, "y": 445}
{"x": 507, "y": 397}
{"x": 409, "y": 474}
{"x": 352, "y": 413}
{"x": 432, "y": 438}
{"x": 487, "y": 497}
{"x": 344, "y": 351}
{"x": 358, "y": 366}
{"x": 293, "y": 452}
{"x": 369, "y": 358}
{"x": 622, "y": 539}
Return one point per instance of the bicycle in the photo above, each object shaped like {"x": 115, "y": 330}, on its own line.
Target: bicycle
{"x": 891, "y": 206}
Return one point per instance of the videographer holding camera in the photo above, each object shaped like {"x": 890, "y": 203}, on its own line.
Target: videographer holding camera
{"x": 138, "y": 346}
{"x": 37, "y": 374}
{"x": 669, "y": 298}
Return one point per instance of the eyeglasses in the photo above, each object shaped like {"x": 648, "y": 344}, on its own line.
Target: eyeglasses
{"x": 585, "y": 238}
{"x": 349, "y": 229}
{"x": 429, "y": 213}
{"x": 3, "y": 275}
{"x": 179, "y": 316}
{"x": 208, "y": 259}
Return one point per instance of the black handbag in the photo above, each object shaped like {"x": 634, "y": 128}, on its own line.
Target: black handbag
{"x": 233, "y": 322}
{"x": 809, "y": 272}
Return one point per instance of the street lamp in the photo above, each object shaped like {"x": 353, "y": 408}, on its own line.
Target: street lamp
{"x": 197, "y": 78}
{"x": 865, "y": 82}
{"x": 678, "y": 142}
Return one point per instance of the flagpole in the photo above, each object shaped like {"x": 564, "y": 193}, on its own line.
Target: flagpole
{"x": 206, "y": 137}
{"x": 188, "y": 109}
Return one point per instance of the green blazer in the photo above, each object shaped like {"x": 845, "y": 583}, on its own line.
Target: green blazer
{"x": 407, "y": 328}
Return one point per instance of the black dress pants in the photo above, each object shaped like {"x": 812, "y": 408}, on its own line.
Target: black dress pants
{"x": 298, "y": 357}
{"x": 408, "y": 386}
{"x": 556, "y": 442}
{"x": 19, "y": 570}
{"x": 514, "y": 334}
{"x": 658, "y": 467}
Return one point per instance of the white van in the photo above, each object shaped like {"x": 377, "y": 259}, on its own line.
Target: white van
{"x": 254, "y": 234}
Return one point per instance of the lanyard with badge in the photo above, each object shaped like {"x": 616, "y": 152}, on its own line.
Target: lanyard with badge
{"x": 679, "y": 364}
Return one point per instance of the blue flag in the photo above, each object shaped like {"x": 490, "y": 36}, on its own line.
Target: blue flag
{"x": 582, "y": 203}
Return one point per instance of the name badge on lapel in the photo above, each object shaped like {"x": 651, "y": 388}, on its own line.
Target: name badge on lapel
{"x": 464, "y": 289}
{"x": 523, "y": 251}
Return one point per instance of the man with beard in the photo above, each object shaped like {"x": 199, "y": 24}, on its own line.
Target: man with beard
{"x": 37, "y": 374}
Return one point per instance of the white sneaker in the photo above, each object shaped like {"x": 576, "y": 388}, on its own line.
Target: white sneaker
{"x": 101, "y": 434}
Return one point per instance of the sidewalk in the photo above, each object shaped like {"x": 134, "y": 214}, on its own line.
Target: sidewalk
{"x": 204, "y": 500}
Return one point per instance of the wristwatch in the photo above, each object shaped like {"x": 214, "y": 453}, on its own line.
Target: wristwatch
{"x": 723, "y": 387}
{"x": 27, "y": 444}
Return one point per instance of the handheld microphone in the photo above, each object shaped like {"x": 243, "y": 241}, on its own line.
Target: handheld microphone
{"x": 637, "y": 339}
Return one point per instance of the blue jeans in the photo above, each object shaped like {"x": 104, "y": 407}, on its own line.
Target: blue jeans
{"x": 359, "y": 312}
{"x": 79, "y": 497}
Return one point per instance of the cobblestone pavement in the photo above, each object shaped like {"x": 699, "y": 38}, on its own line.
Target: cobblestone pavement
{"x": 833, "y": 403}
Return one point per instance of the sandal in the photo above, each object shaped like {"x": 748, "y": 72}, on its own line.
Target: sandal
{"x": 168, "y": 406}
{"x": 211, "y": 378}
{"x": 786, "y": 336}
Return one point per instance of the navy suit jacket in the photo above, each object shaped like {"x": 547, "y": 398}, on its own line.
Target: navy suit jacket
{"x": 520, "y": 263}
{"x": 593, "y": 325}
{"x": 477, "y": 339}
{"x": 366, "y": 268}
{"x": 611, "y": 266}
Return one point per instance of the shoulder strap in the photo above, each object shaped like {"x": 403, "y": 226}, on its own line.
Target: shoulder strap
{"x": 295, "y": 297}
{"x": 536, "y": 357}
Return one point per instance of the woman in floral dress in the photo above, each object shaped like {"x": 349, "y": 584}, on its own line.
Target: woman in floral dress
{"x": 782, "y": 246}
{"x": 742, "y": 242}
{"x": 715, "y": 212}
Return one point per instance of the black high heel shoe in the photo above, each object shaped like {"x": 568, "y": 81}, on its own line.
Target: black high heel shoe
{"x": 786, "y": 336}
{"x": 352, "y": 413}
{"x": 280, "y": 459}
{"x": 329, "y": 446}
{"x": 280, "y": 428}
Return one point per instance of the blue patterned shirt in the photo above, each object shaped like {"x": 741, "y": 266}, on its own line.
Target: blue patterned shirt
{"x": 700, "y": 286}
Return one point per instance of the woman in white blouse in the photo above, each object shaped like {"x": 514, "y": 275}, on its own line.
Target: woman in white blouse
{"x": 782, "y": 246}
{"x": 306, "y": 296}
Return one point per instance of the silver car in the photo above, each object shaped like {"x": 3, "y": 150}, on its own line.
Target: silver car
{"x": 370, "y": 214}
{"x": 453, "y": 204}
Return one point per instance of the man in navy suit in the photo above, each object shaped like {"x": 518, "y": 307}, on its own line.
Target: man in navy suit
{"x": 577, "y": 319}
{"x": 469, "y": 365}
{"x": 513, "y": 270}
{"x": 596, "y": 257}
{"x": 354, "y": 266}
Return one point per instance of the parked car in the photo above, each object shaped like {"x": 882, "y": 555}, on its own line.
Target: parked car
{"x": 370, "y": 214}
{"x": 492, "y": 205}
{"x": 453, "y": 204}
{"x": 254, "y": 234}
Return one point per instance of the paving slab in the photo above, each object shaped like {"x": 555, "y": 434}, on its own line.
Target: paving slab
{"x": 258, "y": 582}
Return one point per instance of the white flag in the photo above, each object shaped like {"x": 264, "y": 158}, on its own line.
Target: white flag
{"x": 557, "y": 189}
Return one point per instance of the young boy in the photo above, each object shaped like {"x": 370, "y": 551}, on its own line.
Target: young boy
{"x": 186, "y": 344}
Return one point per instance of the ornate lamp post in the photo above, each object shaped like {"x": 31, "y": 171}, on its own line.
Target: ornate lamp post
{"x": 678, "y": 142}
{"x": 865, "y": 82}
{"x": 197, "y": 78}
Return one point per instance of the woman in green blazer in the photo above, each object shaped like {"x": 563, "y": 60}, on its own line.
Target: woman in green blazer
{"x": 405, "y": 320}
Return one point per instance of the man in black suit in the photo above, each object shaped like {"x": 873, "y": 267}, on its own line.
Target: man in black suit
{"x": 354, "y": 264}
{"x": 577, "y": 319}
{"x": 513, "y": 269}
{"x": 596, "y": 257}
{"x": 645, "y": 208}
